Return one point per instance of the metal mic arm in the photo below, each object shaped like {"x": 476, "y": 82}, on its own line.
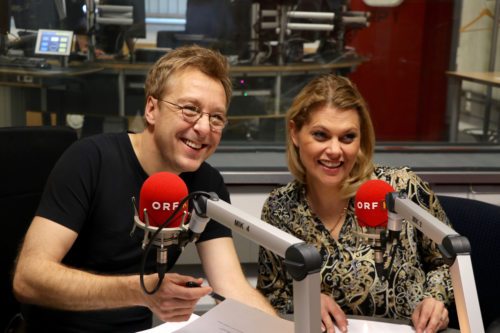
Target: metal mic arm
{"x": 456, "y": 251}
{"x": 302, "y": 260}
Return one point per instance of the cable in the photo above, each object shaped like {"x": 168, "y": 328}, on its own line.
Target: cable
{"x": 163, "y": 268}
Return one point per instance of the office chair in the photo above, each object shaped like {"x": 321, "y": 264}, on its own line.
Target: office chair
{"x": 480, "y": 223}
{"x": 28, "y": 155}
{"x": 96, "y": 124}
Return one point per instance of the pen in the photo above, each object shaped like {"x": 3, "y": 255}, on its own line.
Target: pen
{"x": 213, "y": 294}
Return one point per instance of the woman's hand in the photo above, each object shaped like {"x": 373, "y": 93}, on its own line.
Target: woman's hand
{"x": 430, "y": 316}
{"x": 331, "y": 313}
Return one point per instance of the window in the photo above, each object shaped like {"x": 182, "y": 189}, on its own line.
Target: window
{"x": 399, "y": 63}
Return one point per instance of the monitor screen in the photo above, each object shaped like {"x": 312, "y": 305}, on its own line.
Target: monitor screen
{"x": 35, "y": 14}
{"x": 54, "y": 42}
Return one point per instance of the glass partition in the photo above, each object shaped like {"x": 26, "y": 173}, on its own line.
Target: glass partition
{"x": 426, "y": 68}
{"x": 413, "y": 62}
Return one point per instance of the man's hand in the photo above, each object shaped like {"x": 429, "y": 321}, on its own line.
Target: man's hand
{"x": 331, "y": 314}
{"x": 174, "y": 301}
{"x": 430, "y": 316}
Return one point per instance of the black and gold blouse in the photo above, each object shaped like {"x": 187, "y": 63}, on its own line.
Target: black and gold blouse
{"x": 413, "y": 266}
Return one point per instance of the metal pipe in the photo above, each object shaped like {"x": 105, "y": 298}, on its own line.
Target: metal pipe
{"x": 310, "y": 26}
{"x": 311, "y": 15}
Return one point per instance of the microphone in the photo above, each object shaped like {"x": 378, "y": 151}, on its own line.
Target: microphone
{"x": 372, "y": 213}
{"x": 161, "y": 209}
{"x": 162, "y": 213}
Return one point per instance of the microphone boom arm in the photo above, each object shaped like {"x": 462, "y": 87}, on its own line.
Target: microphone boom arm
{"x": 456, "y": 251}
{"x": 302, "y": 260}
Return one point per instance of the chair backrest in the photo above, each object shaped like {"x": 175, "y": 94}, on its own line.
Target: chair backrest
{"x": 28, "y": 155}
{"x": 480, "y": 223}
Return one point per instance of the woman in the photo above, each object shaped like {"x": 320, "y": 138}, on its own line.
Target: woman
{"x": 329, "y": 152}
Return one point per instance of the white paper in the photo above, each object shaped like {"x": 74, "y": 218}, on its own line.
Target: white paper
{"x": 170, "y": 326}
{"x": 370, "y": 326}
{"x": 231, "y": 316}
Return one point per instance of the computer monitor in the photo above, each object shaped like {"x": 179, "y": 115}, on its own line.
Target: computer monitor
{"x": 31, "y": 15}
{"x": 36, "y": 14}
{"x": 54, "y": 42}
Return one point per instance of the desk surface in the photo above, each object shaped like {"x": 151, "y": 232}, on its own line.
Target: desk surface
{"x": 52, "y": 72}
{"x": 76, "y": 69}
{"x": 235, "y": 69}
{"x": 492, "y": 78}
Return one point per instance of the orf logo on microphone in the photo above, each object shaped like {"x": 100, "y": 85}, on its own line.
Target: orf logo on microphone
{"x": 374, "y": 205}
{"x": 165, "y": 206}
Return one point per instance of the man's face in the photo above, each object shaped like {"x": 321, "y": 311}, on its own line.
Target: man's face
{"x": 182, "y": 145}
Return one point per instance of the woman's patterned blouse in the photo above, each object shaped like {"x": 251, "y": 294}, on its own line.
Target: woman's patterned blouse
{"x": 413, "y": 266}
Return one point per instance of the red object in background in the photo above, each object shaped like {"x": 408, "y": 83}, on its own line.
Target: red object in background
{"x": 404, "y": 79}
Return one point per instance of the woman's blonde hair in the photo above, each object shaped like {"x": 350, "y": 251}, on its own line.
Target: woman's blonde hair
{"x": 338, "y": 92}
{"x": 209, "y": 62}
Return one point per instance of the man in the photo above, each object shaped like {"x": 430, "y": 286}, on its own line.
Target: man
{"x": 78, "y": 266}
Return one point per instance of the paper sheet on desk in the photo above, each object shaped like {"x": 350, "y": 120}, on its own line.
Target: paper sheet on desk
{"x": 231, "y": 316}
{"x": 170, "y": 327}
{"x": 369, "y": 326}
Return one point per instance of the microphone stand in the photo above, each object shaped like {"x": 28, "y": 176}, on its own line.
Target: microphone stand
{"x": 162, "y": 238}
{"x": 302, "y": 260}
{"x": 456, "y": 252}
{"x": 378, "y": 241}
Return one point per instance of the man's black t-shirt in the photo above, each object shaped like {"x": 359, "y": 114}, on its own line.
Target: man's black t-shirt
{"x": 90, "y": 191}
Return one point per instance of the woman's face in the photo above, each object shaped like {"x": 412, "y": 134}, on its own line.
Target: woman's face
{"x": 328, "y": 145}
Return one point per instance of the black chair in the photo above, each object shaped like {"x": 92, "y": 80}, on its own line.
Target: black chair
{"x": 28, "y": 155}
{"x": 480, "y": 223}
{"x": 96, "y": 124}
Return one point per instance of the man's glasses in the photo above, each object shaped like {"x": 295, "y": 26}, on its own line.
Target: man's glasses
{"x": 192, "y": 114}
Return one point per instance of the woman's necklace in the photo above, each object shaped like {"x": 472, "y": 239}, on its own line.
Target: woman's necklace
{"x": 339, "y": 220}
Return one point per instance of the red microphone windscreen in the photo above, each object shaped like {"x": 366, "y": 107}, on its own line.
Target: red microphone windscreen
{"x": 370, "y": 206}
{"x": 160, "y": 196}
